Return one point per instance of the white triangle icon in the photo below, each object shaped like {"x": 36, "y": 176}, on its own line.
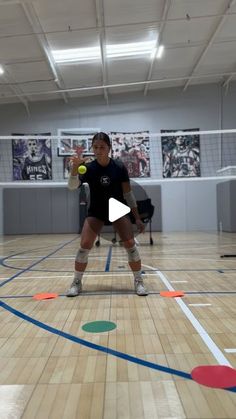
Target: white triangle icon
{"x": 116, "y": 210}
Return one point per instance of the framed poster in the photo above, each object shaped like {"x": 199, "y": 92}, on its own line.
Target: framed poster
{"x": 66, "y": 167}
{"x": 68, "y": 145}
{"x": 67, "y": 163}
{"x": 180, "y": 154}
{"x": 32, "y": 158}
{"x": 133, "y": 149}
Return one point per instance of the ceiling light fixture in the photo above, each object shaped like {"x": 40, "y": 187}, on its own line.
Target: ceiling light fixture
{"x": 160, "y": 51}
{"x": 76, "y": 54}
{"x": 131, "y": 49}
{"x": 112, "y": 51}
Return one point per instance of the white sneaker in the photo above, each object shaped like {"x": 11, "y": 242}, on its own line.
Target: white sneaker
{"x": 75, "y": 288}
{"x": 140, "y": 287}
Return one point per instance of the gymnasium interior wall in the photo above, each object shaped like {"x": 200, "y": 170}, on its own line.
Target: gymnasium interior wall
{"x": 186, "y": 204}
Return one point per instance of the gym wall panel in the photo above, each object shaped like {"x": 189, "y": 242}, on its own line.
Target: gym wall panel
{"x": 28, "y": 209}
{"x": 200, "y": 206}
{"x": 226, "y": 206}
{"x": 40, "y": 210}
{"x": 174, "y": 206}
{"x": 154, "y": 193}
{"x": 59, "y": 210}
{"x": 44, "y": 211}
{"x": 180, "y": 205}
{"x": 11, "y": 211}
{"x": 233, "y": 204}
{"x": 1, "y": 210}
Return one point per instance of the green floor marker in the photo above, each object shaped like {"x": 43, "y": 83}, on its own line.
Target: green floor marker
{"x": 99, "y": 326}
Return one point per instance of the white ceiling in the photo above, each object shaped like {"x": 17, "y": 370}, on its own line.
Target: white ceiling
{"x": 199, "y": 38}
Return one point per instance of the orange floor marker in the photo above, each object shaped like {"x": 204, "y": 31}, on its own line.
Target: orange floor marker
{"x": 171, "y": 294}
{"x": 216, "y": 376}
{"x": 45, "y": 296}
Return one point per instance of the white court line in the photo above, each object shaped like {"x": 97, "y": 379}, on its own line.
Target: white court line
{"x": 38, "y": 257}
{"x": 110, "y": 274}
{"x": 230, "y": 350}
{"x": 39, "y": 277}
{"x": 50, "y": 258}
{"x": 177, "y": 282}
{"x": 216, "y": 352}
{"x": 199, "y": 305}
{"x": 166, "y": 257}
{"x": 13, "y": 240}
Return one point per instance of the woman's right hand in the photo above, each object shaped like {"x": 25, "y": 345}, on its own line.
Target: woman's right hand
{"x": 75, "y": 162}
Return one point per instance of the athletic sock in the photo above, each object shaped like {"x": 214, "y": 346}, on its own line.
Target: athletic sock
{"x": 138, "y": 275}
{"x": 78, "y": 276}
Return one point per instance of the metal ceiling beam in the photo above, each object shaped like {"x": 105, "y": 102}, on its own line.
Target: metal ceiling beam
{"x": 6, "y": 2}
{"x": 158, "y": 40}
{"x": 136, "y": 83}
{"x": 33, "y": 19}
{"x": 18, "y": 93}
{"x": 180, "y": 45}
{"x": 100, "y": 23}
{"x": 117, "y": 25}
{"x": 213, "y": 35}
{"x": 229, "y": 78}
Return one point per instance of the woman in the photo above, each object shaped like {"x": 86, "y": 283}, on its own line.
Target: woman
{"x": 107, "y": 178}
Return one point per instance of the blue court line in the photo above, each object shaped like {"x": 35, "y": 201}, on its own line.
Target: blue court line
{"x": 33, "y": 264}
{"x": 100, "y": 348}
{"x": 3, "y": 260}
{"x": 108, "y": 262}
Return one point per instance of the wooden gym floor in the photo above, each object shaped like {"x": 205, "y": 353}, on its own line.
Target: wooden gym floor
{"x": 51, "y": 368}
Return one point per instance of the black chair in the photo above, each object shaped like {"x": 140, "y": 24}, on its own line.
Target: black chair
{"x": 146, "y": 211}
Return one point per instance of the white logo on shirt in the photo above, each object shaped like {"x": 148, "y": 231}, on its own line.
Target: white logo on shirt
{"x": 105, "y": 180}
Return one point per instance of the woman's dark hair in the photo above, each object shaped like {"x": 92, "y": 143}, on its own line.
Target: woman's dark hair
{"x": 102, "y": 136}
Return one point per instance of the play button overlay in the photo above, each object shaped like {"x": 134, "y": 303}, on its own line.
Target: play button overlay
{"x": 116, "y": 210}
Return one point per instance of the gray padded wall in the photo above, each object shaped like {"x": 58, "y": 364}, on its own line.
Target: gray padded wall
{"x": 232, "y": 203}
{"x": 189, "y": 205}
{"x": 200, "y": 205}
{"x": 226, "y": 206}
{"x": 28, "y": 210}
{"x": 181, "y": 205}
{"x": 59, "y": 210}
{"x": 43, "y": 214}
{"x": 11, "y": 211}
{"x": 174, "y": 206}
{"x": 40, "y": 210}
{"x": 44, "y": 210}
{"x": 154, "y": 193}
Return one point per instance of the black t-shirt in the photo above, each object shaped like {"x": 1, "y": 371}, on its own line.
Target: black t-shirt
{"x": 104, "y": 183}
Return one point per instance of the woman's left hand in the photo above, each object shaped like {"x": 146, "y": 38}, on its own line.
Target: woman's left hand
{"x": 140, "y": 225}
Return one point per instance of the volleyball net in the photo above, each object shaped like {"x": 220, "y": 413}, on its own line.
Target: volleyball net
{"x": 163, "y": 155}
